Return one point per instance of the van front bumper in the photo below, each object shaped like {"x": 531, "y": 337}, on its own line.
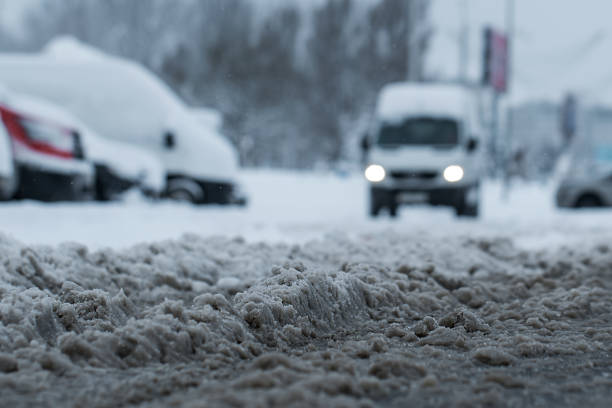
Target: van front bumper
{"x": 452, "y": 196}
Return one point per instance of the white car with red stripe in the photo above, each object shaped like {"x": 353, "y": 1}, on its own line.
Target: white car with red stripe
{"x": 46, "y": 154}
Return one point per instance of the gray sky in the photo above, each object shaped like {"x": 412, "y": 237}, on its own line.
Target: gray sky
{"x": 561, "y": 45}
{"x": 11, "y": 12}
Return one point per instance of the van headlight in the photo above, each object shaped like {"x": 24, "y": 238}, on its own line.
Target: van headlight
{"x": 375, "y": 173}
{"x": 453, "y": 173}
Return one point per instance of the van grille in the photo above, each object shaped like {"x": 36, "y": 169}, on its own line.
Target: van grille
{"x": 414, "y": 175}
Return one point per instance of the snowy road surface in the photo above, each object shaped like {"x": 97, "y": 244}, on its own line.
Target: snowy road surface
{"x": 299, "y": 300}
{"x": 294, "y": 207}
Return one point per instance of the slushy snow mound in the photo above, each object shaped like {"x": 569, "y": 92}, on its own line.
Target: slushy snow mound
{"x": 382, "y": 319}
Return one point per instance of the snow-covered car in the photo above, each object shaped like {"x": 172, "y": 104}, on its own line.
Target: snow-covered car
{"x": 121, "y": 166}
{"x": 117, "y": 166}
{"x": 123, "y": 101}
{"x": 47, "y": 155}
{"x": 423, "y": 148}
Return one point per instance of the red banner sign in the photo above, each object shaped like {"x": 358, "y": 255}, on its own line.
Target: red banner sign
{"x": 495, "y": 73}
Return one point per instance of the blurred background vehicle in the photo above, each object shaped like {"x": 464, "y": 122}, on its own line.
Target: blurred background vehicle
{"x": 121, "y": 166}
{"x": 124, "y": 102}
{"x": 586, "y": 176}
{"x": 423, "y": 148}
{"x": 117, "y": 166}
{"x": 48, "y": 154}
{"x": 594, "y": 191}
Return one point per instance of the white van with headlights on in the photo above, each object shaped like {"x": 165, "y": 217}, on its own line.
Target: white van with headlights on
{"x": 122, "y": 101}
{"x": 423, "y": 148}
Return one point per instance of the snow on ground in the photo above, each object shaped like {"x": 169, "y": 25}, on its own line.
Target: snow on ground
{"x": 300, "y": 300}
{"x": 294, "y": 207}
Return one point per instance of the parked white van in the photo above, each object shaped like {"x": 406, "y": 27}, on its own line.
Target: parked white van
{"x": 122, "y": 101}
{"x": 423, "y": 147}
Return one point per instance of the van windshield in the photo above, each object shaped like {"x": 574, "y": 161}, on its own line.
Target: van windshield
{"x": 420, "y": 131}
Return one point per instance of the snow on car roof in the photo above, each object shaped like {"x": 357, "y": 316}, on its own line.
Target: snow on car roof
{"x": 399, "y": 100}
{"x": 66, "y": 47}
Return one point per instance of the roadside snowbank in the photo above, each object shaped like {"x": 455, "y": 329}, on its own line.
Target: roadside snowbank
{"x": 378, "y": 319}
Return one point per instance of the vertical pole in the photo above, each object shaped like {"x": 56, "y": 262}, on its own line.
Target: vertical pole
{"x": 495, "y": 133}
{"x": 510, "y": 13}
{"x": 464, "y": 42}
{"x": 410, "y": 32}
{"x": 414, "y": 33}
{"x": 507, "y": 142}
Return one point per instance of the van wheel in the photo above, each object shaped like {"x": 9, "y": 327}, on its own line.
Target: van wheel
{"x": 185, "y": 190}
{"x": 463, "y": 209}
{"x": 467, "y": 211}
{"x": 393, "y": 210}
{"x": 374, "y": 209}
{"x": 181, "y": 195}
{"x": 588, "y": 201}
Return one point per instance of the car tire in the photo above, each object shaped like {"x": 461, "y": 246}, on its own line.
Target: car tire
{"x": 185, "y": 190}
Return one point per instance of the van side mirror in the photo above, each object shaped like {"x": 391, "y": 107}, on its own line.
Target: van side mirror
{"x": 472, "y": 144}
{"x": 169, "y": 140}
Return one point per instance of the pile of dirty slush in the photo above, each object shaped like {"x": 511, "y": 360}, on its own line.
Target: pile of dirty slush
{"x": 387, "y": 319}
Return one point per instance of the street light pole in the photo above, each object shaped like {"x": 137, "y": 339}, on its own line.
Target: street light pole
{"x": 506, "y": 148}
{"x": 416, "y": 30}
{"x": 510, "y": 16}
{"x": 411, "y": 33}
{"x": 464, "y": 42}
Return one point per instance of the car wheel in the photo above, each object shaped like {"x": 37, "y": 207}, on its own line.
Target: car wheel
{"x": 185, "y": 190}
{"x": 181, "y": 195}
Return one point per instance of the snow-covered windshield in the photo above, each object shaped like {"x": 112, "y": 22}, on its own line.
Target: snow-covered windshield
{"x": 419, "y": 131}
